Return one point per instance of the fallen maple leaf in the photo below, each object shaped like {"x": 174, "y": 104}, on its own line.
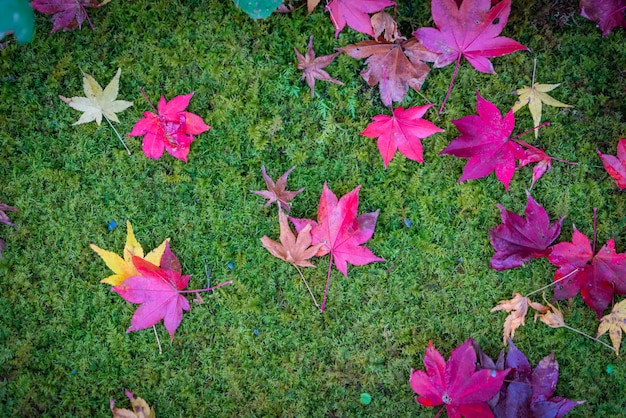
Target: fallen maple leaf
{"x": 485, "y": 141}
{"x": 276, "y": 191}
{"x": 312, "y": 66}
{"x": 553, "y": 317}
{"x": 457, "y": 384}
{"x": 159, "y": 290}
{"x": 311, "y": 4}
{"x": 355, "y": 14}
{"x": 384, "y": 25}
{"x": 124, "y": 267}
{"x": 4, "y": 218}
{"x": 141, "y": 409}
{"x": 608, "y": 14}
{"x": 516, "y": 240}
{"x": 172, "y": 129}
{"x": 614, "y": 323}
{"x": 66, "y": 14}
{"x": 534, "y": 97}
{"x": 537, "y": 155}
{"x": 291, "y": 249}
{"x": 393, "y": 66}
{"x": 470, "y": 30}
{"x": 98, "y": 102}
{"x": 402, "y": 131}
{"x": 341, "y": 232}
{"x": 616, "y": 166}
{"x": 518, "y": 307}
{"x": 597, "y": 277}
{"x": 526, "y": 392}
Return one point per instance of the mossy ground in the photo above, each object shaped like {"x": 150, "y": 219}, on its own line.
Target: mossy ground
{"x": 259, "y": 347}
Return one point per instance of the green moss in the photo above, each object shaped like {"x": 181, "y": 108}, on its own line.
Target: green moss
{"x": 63, "y": 349}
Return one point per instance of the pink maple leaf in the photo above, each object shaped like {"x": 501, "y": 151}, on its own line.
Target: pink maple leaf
{"x": 516, "y": 239}
{"x": 485, "y": 141}
{"x": 66, "y": 14}
{"x": 470, "y": 30}
{"x": 595, "y": 277}
{"x": 341, "y": 232}
{"x": 616, "y": 166}
{"x": 608, "y": 14}
{"x": 456, "y": 383}
{"x": 402, "y": 131}
{"x": 172, "y": 129}
{"x": 354, "y": 13}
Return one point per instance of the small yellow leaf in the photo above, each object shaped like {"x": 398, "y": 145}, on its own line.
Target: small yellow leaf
{"x": 615, "y": 323}
{"x": 534, "y": 97}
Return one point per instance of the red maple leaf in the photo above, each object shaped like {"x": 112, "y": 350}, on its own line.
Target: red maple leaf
{"x": 394, "y": 66}
{"x": 536, "y": 155}
{"x": 312, "y": 66}
{"x": 608, "y": 14}
{"x": 457, "y": 384}
{"x": 172, "y": 129}
{"x": 159, "y": 291}
{"x": 470, "y": 30}
{"x": 341, "y": 232}
{"x": 355, "y": 14}
{"x": 66, "y": 14}
{"x": 402, "y": 131}
{"x": 595, "y": 277}
{"x": 616, "y": 166}
{"x": 485, "y": 141}
{"x": 516, "y": 239}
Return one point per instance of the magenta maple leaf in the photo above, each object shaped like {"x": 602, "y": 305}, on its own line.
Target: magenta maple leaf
{"x": 608, "y": 14}
{"x": 597, "y": 277}
{"x": 470, "y": 30}
{"x": 172, "y": 129}
{"x": 516, "y": 240}
{"x": 456, "y": 384}
{"x": 536, "y": 155}
{"x": 616, "y": 166}
{"x": 485, "y": 141}
{"x": 402, "y": 131}
{"x": 341, "y": 232}
{"x": 354, "y": 13}
{"x": 159, "y": 291}
{"x": 66, "y": 14}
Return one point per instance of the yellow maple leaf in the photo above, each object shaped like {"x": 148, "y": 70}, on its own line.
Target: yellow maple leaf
{"x": 124, "y": 267}
{"x": 98, "y": 102}
{"x": 534, "y": 97}
{"x": 614, "y": 323}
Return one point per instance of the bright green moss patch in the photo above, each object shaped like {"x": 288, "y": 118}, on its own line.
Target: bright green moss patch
{"x": 259, "y": 347}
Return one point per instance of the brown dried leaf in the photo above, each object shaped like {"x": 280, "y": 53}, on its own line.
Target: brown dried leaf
{"x": 518, "y": 307}
{"x": 276, "y": 191}
{"x": 383, "y": 23}
{"x": 552, "y": 318}
{"x": 291, "y": 249}
{"x": 615, "y": 323}
{"x": 311, "y": 4}
{"x": 393, "y": 66}
{"x": 140, "y": 409}
{"x": 312, "y": 66}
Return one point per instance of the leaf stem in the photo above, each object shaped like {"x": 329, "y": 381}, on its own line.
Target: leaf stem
{"x": 532, "y": 86}
{"x": 117, "y": 133}
{"x": 456, "y": 69}
{"x": 307, "y": 286}
{"x": 589, "y": 336}
{"x": 571, "y": 273}
{"x": 87, "y": 16}
{"x": 595, "y": 228}
{"x": 157, "y": 338}
{"x": 145, "y": 96}
{"x": 526, "y": 131}
{"x": 330, "y": 264}
{"x": 207, "y": 289}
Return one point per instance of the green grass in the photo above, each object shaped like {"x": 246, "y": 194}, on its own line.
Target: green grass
{"x": 63, "y": 346}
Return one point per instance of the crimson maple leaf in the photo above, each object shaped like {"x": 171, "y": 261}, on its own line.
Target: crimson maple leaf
{"x": 608, "y": 14}
{"x": 172, "y": 129}
{"x": 595, "y": 277}
{"x": 457, "y": 384}
{"x": 616, "y": 166}
{"x": 66, "y": 14}
{"x": 470, "y": 30}
{"x": 536, "y": 155}
{"x": 312, "y": 66}
{"x": 394, "y": 66}
{"x": 341, "y": 232}
{"x": 402, "y": 131}
{"x": 516, "y": 239}
{"x": 355, "y": 14}
{"x": 159, "y": 291}
{"x": 485, "y": 141}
